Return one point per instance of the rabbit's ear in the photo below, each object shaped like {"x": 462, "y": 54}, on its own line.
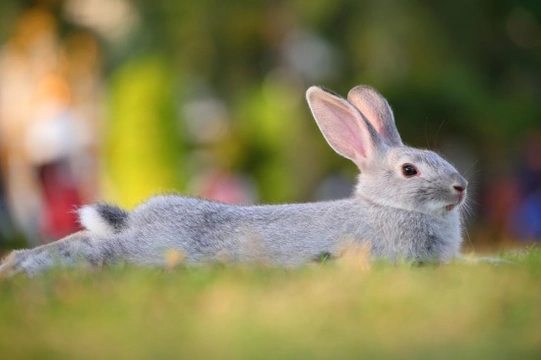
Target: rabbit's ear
{"x": 343, "y": 126}
{"x": 376, "y": 109}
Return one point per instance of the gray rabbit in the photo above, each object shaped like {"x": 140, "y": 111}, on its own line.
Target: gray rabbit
{"x": 405, "y": 207}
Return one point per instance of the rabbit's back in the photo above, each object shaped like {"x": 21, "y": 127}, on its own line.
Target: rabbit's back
{"x": 208, "y": 231}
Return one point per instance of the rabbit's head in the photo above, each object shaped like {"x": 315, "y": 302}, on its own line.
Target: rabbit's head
{"x": 362, "y": 129}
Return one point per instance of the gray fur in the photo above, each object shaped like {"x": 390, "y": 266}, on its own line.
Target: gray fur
{"x": 415, "y": 218}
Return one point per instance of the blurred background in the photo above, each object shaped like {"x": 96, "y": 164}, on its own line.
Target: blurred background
{"x": 118, "y": 100}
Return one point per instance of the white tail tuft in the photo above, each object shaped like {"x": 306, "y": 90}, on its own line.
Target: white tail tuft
{"x": 91, "y": 220}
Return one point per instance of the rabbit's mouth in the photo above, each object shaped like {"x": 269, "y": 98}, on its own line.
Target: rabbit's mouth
{"x": 451, "y": 207}
{"x": 459, "y": 201}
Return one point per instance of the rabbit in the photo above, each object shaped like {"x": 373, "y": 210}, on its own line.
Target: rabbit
{"x": 406, "y": 206}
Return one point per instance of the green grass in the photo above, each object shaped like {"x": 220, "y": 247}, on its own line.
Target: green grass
{"x": 333, "y": 310}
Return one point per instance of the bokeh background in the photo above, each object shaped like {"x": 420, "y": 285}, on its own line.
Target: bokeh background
{"x": 117, "y": 100}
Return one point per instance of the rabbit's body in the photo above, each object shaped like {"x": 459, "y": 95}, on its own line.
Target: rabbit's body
{"x": 405, "y": 207}
{"x": 281, "y": 235}
{"x": 287, "y": 235}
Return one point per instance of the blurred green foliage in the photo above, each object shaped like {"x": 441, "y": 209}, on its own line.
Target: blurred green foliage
{"x": 468, "y": 70}
{"x": 471, "y": 68}
{"x": 143, "y": 142}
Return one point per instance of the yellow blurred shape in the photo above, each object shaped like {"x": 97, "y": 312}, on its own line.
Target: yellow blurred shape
{"x": 355, "y": 256}
{"x": 173, "y": 258}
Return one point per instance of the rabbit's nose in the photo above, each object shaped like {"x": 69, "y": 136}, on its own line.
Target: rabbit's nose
{"x": 460, "y": 184}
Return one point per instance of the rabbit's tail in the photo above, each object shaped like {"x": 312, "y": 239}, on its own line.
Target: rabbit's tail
{"x": 103, "y": 219}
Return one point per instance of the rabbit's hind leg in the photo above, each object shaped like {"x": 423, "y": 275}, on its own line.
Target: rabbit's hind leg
{"x": 78, "y": 248}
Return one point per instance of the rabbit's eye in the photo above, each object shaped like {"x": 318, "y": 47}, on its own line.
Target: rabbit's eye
{"x": 409, "y": 170}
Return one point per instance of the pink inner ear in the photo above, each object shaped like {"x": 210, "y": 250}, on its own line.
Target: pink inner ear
{"x": 354, "y": 142}
{"x": 342, "y": 135}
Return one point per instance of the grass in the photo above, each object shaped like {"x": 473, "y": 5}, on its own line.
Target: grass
{"x": 343, "y": 309}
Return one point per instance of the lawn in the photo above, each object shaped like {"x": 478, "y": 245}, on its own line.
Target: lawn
{"x": 342, "y": 309}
